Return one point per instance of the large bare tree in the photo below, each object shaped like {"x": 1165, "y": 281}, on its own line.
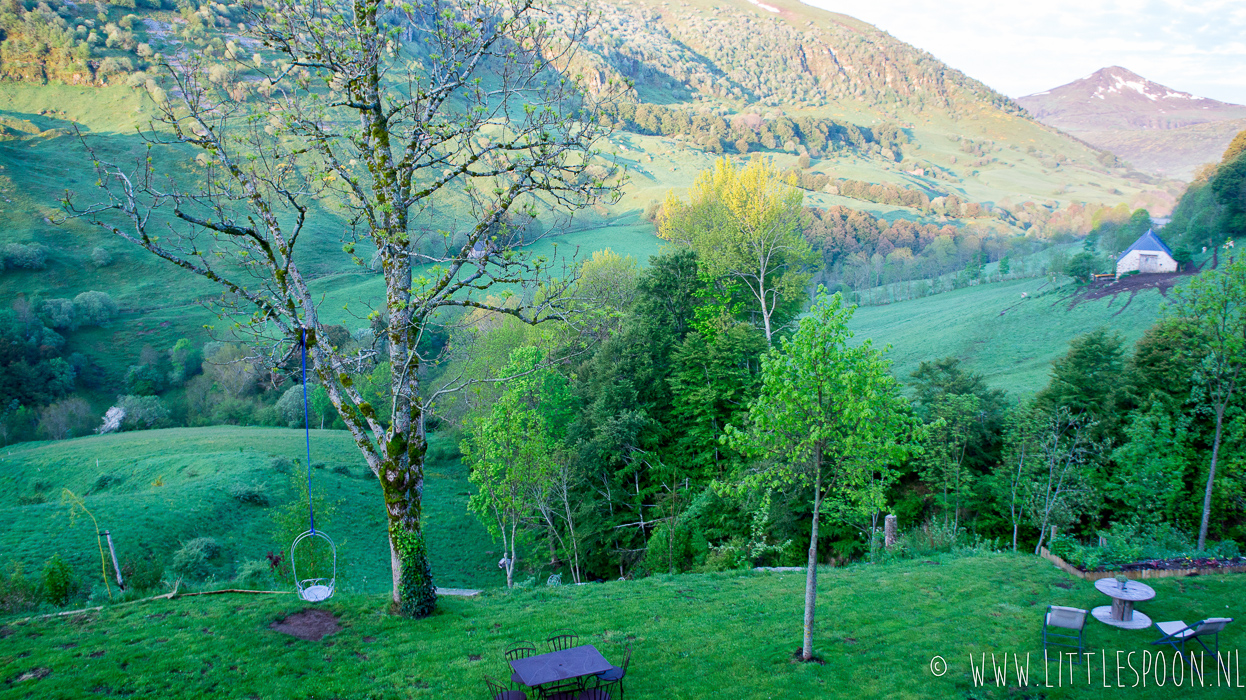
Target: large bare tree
{"x": 429, "y": 126}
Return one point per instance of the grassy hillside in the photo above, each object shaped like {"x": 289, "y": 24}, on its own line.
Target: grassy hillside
{"x": 1009, "y": 338}
{"x": 728, "y": 635}
{"x": 156, "y": 489}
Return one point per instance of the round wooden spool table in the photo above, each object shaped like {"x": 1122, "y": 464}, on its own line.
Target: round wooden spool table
{"x": 1121, "y": 612}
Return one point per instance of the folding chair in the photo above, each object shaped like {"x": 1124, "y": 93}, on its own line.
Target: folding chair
{"x": 1177, "y": 633}
{"x": 1060, "y": 617}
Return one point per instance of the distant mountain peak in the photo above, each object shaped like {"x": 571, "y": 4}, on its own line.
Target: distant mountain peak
{"x": 1117, "y": 97}
{"x": 1116, "y": 79}
{"x": 1111, "y": 103}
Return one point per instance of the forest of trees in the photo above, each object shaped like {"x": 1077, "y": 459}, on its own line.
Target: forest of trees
{"x": 626, "y": 470}
{"x": 634, "y": 468}
{"x": 750, "y": 131}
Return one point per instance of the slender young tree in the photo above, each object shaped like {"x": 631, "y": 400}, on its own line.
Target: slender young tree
{"x": 428, "y": 125}
{"x": 1213, "y": 305}
{"x": 948, "y": 435}
{"x": 828, "y": 417}
{"x": 1017, "y": 470}
{"x": 1059, "y": 489}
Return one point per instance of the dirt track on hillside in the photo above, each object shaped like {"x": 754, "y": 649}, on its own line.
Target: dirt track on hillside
{"x": 1130, "y": 284}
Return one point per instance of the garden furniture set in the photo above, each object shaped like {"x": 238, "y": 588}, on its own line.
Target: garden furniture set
{"x": 1062, "y": 622}
{"x": 563, "y": 673}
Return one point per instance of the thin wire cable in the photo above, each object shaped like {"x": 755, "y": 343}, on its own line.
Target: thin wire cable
{"x": 311, "y": 514}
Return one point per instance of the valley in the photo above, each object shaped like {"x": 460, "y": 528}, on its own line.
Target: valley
{"x": 644, "y": 321}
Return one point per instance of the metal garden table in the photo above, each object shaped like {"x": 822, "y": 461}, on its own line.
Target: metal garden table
{"x": 556, "y": 666}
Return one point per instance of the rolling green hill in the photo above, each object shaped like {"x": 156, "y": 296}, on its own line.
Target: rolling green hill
{"x": 729, "y": 66}
{"x": 1009, "y": 332}
{"x": 156, "y": 489}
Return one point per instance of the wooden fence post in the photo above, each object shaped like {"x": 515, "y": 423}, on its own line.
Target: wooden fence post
{"x": 889, "y": 531}
{"x": 115, "y": 566}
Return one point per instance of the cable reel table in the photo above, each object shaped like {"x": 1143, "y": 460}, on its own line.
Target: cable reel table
{"x": 1121, "y": 612}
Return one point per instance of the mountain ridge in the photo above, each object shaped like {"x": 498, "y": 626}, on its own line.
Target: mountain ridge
{"x": 1155, "y": 127}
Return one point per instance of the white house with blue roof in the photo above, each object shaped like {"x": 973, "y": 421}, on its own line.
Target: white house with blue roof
{"x": 1148, "y": 254}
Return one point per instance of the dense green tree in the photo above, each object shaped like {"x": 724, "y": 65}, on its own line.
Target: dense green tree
{"x": 712, "y": 380}
{"x": 1214, "y": 306}
{"x": 1229, "y": 187}
{"x": 1089, "y": 381}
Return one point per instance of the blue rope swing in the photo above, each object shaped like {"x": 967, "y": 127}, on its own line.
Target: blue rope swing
{"x": 313, "y": 590}
{"x": 311, "y": 514}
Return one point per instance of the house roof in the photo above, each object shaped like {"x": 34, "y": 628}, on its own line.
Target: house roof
{"x": 1147, "y": 241}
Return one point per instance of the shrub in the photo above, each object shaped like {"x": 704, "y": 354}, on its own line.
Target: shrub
{"x": 254, "y": 494}
{"x": 341, "y": 469}
{"x": 59, "y": 314}
{"x": 17, "y": 592}
{"x": 58, "y": 580}
{"x": 193, "y": 558}
{"x": 94, "y": 308}
{"x": 65, "y": 419}
{"x": 254, "y": 572}
{"x": 25, "y": 256}
{"x": 142, "y": 574}
{"x": 100, "y": 257}
{"x": 143, "y": 412}
{"x": 281, "y": 464}
{"x": 113, "y": 65}
{"x": 290, "y": 406}
{"x": 103, "y": 482}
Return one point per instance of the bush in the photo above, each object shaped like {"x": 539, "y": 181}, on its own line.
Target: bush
{"x": 58, "y": 581}
{"x": 25, "y": 256}
{"x": 254, "y": 494}
{"x": 254, "y": 573}
{"x": 100, "y": 257}
{"x": 1082, "y": 266}
{"x": 59, "y": 314}
{"x": 65, "y": 419}
{"x": 143, "y": 412}
{"x": 290, "y": 406}
{"x": 94, "y": 308}
{"x": 193, "y": 558}
{"x": 341, "y": 469}
{"x": 281, "y": 464}
{"x": 17, "y": 592}
{"x": 142, "y": 574}
{"x": 103, "y": 482}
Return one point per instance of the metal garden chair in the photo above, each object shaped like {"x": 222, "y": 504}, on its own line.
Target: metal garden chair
{"x": 521, "y": 650}
{"x": 614, "y": 677}
{"x": 563, "y": 640}
{"x": 498, "y": 691}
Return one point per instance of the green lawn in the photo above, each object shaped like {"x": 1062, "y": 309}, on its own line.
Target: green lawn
{"x": 728, "y": 635}
{"x": 1009, "y": 339}
{"x": 169, "y": 486}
